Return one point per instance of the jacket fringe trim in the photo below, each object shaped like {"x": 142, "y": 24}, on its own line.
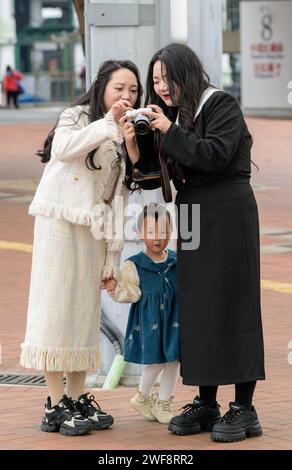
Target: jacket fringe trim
{"x": 60, "y": 213}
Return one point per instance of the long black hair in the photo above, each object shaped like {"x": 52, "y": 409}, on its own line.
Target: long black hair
{"x": 94, "y": 99}
{"x": 183, "y": 68}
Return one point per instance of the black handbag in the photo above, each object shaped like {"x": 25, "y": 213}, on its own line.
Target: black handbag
{"x": 155, "y": 172}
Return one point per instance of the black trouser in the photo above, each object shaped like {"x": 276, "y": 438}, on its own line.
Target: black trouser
{"x": 12, "y": 95}
{"x": 243, "y": 394}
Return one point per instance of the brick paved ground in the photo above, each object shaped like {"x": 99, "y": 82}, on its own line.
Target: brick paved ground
{"x": 22, "y": 407}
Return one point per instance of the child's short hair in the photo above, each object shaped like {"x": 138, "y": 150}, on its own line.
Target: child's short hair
{"x": 153, "y": 210}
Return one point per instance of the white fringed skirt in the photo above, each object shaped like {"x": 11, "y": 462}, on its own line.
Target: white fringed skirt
{"x": 63, "y": 321}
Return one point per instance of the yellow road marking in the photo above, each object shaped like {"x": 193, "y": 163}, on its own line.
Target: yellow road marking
{"x": 283, "y": 287}
{"x": 25, "y": 185}
{"x": 5, "y": 245}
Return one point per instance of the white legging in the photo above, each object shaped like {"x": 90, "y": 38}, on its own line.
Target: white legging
{"x": 168, "y": 379}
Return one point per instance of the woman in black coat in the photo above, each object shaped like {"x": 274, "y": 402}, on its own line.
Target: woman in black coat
{"x": 207, "y": 145}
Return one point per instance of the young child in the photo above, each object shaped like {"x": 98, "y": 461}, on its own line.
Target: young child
{"x": 85, "y": 171}
{"x": 148, "y": 281}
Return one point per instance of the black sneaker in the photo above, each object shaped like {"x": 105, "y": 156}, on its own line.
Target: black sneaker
{"x": 64, "y": 418}
{"x": 195, "y": 418}
{"x": 98, "y": 418}
{"x": 237, "y": 424}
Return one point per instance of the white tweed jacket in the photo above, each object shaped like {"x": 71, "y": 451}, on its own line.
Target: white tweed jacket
{"x": 68, "y": 190}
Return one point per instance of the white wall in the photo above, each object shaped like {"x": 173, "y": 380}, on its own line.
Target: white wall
{"x": 266, "y": 54}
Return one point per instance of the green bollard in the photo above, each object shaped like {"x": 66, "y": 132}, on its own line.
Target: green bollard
{"x": 115, "y": 372}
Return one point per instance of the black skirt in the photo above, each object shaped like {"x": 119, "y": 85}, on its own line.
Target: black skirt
{"x": 219, "y": 287}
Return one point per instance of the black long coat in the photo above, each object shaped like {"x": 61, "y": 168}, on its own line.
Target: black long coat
{"x": 219, "y": 282}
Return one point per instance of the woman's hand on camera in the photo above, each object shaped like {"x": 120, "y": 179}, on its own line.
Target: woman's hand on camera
{"x": 119, "y": 108}
{"x": 130, "y": 139}
{"x": 158, "y": 119}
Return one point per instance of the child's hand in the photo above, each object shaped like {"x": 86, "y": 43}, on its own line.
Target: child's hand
{"x": 109, "y": 285}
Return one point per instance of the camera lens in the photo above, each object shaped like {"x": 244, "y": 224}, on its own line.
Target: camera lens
{"x": 142, "y": 124}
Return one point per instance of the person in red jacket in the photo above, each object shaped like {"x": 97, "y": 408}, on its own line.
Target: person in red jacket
{"x": 11, "y": 86}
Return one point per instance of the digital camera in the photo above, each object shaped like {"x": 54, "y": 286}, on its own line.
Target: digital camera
{"x": 140, "y": 121}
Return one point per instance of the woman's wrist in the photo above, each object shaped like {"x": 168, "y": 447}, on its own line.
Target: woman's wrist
{"x": 115, "y": 132}
{"x": 133, "y": 154}
{"x": 166, "y": 125}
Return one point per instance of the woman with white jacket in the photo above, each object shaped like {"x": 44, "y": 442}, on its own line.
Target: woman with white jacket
{"x": 77, "y": 241}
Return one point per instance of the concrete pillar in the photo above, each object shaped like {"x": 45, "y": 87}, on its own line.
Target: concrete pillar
{"x": 135, "y": 29}
{"x": 121, "y": 30}
{"x": 205, "y": 35}
{"x": 198, "y": 24}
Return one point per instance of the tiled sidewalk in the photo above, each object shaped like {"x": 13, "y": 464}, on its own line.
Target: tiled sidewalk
{"x": 21, "y": 407}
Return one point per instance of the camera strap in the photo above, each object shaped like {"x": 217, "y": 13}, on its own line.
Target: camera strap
{"x": 165, "y": 180}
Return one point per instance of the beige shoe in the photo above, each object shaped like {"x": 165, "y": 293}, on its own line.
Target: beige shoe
{"x": 161, "y": 410}
{"x": 143, "y": 405}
